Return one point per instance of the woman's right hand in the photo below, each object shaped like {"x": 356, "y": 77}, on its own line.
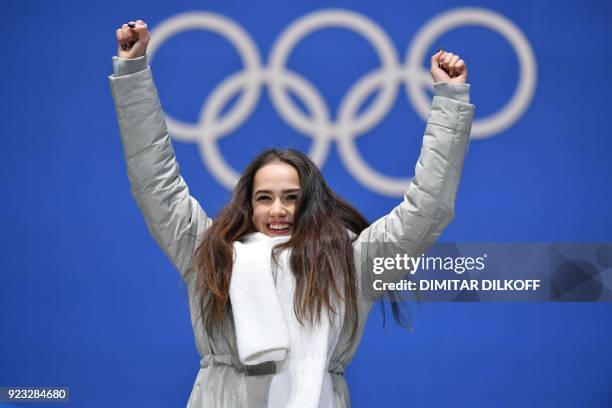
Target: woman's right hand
{"x": 132, "y": 41}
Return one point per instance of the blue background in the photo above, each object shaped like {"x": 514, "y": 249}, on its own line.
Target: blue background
{"x": 88, "y": 301}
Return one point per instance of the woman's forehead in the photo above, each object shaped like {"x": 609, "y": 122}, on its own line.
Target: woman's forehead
{"x": 276, "y": 176}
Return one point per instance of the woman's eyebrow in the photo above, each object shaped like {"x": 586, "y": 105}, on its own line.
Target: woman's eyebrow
{"x": 291, "y": 190}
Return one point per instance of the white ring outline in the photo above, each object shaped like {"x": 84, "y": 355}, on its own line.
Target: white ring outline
{"x": 441, "y": 24}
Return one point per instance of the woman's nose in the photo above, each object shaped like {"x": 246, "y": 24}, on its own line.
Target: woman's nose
{"x": 278, "y": 209}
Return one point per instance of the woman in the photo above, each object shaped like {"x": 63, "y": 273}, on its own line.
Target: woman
{"x": 273, "y": 282}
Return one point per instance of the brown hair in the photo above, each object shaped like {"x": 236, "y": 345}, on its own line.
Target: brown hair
{"x": 321, "y": 259}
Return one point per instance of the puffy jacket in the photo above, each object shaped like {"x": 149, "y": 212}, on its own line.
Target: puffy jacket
{"x": 176, "y": 221}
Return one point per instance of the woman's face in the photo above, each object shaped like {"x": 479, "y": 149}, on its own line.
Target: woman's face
{"x": 276, "y": 193}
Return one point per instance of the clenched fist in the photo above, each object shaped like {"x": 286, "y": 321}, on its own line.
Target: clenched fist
{"x": 132, "y": 39}
{"x": 448, "y": 67}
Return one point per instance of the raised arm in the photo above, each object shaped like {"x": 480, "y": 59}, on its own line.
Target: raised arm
{"x": 429, "y": 203}
{"x": 173, "y": 217}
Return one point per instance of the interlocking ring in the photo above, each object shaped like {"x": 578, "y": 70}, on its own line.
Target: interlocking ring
{"x": 350, "y": 123}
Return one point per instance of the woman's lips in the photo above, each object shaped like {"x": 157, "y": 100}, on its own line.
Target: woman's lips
{"x": 279, "y": 228}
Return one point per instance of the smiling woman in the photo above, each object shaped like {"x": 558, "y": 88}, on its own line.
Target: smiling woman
{"x": 276, "y": 191}
{"x": 282, "y": 193}
{"x": 273, "y": 280}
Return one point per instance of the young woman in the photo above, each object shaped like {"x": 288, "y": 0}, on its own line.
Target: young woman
{"x": 273, "y": 281}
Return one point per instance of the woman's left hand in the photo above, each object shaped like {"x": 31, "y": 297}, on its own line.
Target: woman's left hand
{"x": 448, "y": 67}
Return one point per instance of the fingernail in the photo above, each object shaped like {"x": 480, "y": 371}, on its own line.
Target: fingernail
{"x": 131, "y": 25}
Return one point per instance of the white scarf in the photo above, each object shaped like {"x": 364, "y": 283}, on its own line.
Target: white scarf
{"x": 266, "y": 326}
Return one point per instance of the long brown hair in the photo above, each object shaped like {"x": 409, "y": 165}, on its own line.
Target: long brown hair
{"x": 321, "y": 259}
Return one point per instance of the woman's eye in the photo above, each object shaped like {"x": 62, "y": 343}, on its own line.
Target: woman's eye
{"x": 292, "y": 197}
{"x": 262, "y": 198}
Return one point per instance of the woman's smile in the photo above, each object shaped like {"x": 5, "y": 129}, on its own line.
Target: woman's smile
{"x": 279, "y": 228}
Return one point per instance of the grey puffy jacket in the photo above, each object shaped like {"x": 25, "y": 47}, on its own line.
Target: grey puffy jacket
{"x": 176, "y": 221}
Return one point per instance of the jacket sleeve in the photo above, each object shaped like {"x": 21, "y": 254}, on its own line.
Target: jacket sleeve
{"x": 429, "y": 203}
{"x": 173, "y": 217}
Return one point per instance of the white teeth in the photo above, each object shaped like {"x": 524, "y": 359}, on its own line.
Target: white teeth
{"x": 279, "y": 226}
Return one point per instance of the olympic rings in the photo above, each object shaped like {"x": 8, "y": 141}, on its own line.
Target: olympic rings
{"x": 319, "y": 124}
